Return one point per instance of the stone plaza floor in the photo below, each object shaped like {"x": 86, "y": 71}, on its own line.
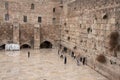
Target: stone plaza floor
{"x": 44, "y": 64}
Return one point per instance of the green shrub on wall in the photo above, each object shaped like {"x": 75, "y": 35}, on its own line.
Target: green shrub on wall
{"x": 101, "y": 58}
{"x": 114, "y": 42}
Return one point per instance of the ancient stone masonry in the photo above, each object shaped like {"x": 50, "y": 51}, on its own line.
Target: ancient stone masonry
{"x": 6, "y": 33}
{"x": 27, "y": 14}
{"x": 88, "y": 28}
{"x": 49, "y": 35}
{"x": 88, "y": 25}
{"x": 26, "y": 34}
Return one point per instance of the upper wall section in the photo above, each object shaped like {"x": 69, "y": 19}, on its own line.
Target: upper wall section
{"x": 90, "y": 5}
{"x": 18, "y": 9}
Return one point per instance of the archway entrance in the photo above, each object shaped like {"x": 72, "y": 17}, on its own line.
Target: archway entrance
{"x": 25, "y": 46}
{"x": 46, "y": 44}
{"x": 2, "y": 47}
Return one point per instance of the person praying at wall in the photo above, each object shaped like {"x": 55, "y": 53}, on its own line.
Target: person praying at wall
{"x": 78, "y": 63}
{"x": 28, "y": 54}
{"x": 65, "y": 60}
{"x": 61, "y": 54}
{"x": 74, "y": 56}
{"x": 78, "y": 60}
{"x": 84, "y": 59}
{"x": 58, "y": 51}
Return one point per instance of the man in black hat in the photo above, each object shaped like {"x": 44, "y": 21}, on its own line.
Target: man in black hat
{"x": 65, "y": 60}
{"x": 84, "y": 59}
{"x": 28, "y": 54}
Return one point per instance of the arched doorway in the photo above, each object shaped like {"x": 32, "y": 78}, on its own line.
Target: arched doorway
{"x": 46, "y": 44}
{"x": 2, "y": 47}
{"x": 25, "y": 46}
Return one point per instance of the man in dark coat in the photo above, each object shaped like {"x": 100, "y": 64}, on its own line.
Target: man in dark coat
{"x": 28, "y": 54}
{"x": 84, "y": 59}
{"x": 58, "y": 51}
{"x": 65, "y": 60}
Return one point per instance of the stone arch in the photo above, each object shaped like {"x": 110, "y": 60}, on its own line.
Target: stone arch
{"x": 46, "y": 44}
{"x": 25, "y": 46}
{"x": 2, "y": 47}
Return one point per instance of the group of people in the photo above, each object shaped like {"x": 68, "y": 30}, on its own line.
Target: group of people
{"x": 79, "y": 59}
{"x": 62, "y": 55}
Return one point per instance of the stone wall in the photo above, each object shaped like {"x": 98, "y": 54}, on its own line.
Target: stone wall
{"x": 26, "y": 34}
{"x": 6, "y": 34}
{"x": 51, "y": 35}
{"x": 16, "y": 10}
{"x": 82, "y": 26}
{"x": 86, "y": 30}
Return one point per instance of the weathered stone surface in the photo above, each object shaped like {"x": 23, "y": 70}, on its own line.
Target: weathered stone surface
{"x": 17, "y": 10}
{"x": 89, "y": 23}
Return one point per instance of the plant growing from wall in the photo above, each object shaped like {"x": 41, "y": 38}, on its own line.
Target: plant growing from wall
{"x": 75, "y": 47}
{"x": 114, "y": 42}
{"x": 68, "y": 38}
{"x": 101, "y": 58}
{"x": 65, "y": 24}
{"x": 89, "y": 30}
{"x": 66, "y": 31}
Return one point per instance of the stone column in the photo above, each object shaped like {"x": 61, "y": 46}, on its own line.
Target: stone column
{"x": 36, "y": 36}
{"x": 16, "y": 33}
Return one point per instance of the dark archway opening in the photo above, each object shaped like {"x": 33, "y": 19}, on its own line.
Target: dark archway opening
{"x": 25, "y": 46}
{"x": 46, "y": 44}
{"x": 2, "y": 47}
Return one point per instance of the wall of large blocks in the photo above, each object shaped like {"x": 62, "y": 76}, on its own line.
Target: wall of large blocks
{"x": 86, "y": 31}
{"x": 18, "y": 9}
{"x": 6, "y": 33}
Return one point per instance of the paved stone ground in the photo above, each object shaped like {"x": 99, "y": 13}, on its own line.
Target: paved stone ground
{"x": 43, "y": 65}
